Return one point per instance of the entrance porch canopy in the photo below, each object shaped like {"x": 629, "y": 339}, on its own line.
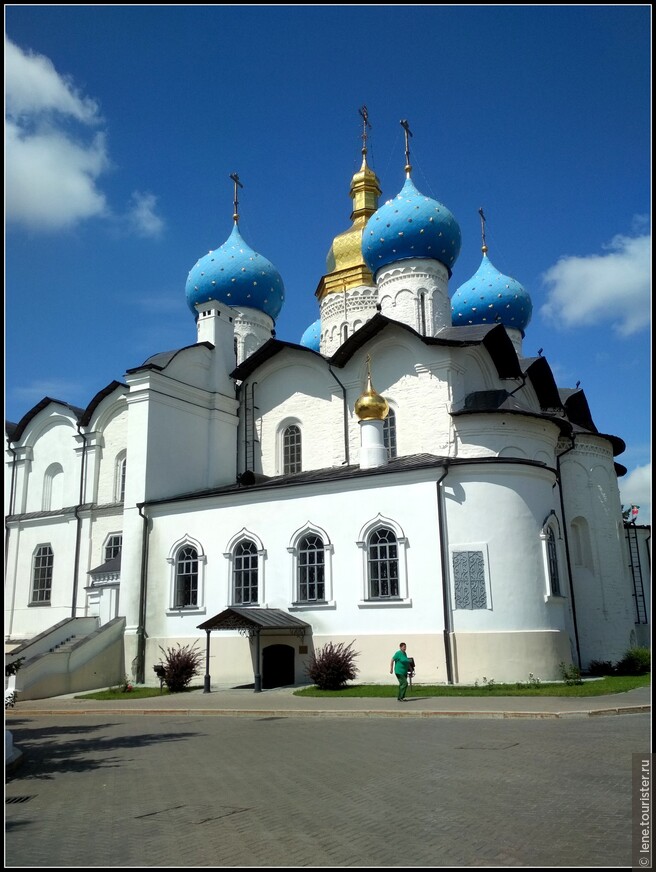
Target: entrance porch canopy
{"x": 250, "y": 622}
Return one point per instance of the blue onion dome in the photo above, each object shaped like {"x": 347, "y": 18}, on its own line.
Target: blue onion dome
{"x": 238, "y": 276}
{"x": 312, "y": 337}
{"x": 411, "y": 225}
{"x": 489, "y": 297}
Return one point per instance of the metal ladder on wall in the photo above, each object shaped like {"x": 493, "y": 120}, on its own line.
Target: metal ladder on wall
{"x": 636, "y": 574}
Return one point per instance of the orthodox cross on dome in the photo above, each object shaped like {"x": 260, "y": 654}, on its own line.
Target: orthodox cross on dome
{"x": 484, "y": 248}
{"x": 238, "y": 184}
{"x": 408, "y": 134}
{"x": 365, "y": 124}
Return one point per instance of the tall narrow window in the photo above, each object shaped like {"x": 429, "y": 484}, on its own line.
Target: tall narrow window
{"x": 42, "y": 574}
{"x": 554, "y": 578}
{"x": 311, "y": 558}
{"x": 119, "y": 477}
{"x": 389, "y": 434}
{"x": 469, "y": 579}
{"x": 245, "y": 571}
{"x": 186, "y": 578}
{"x": 113, "y": 546}
{"x": 383, "y": 564}
{"x": 291, "y": 450}
{"x": 422, "y": 314}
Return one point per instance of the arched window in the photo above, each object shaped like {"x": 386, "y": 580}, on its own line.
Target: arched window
{"x": 119, "y": 476}
{"x": 245, "y": 573}
{"x": 549, "y": 535}
{"x": 383, "y": 563}
{"x": 552, "y": 558}
{"x": 42, "y": 563}
{"x": 53, "y": 488}
{"x": 311, "y": 569}
{"x": 291, "y": 450}
{"x": 186, "y": 578}
{"x": 389, "y": 433}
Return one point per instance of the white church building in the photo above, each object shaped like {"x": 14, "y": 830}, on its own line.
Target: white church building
{"x": 404, "y": 472}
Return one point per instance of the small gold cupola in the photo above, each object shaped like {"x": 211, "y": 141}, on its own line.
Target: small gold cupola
{"x": 345, "y": 266}
{"x": 370, "y": 406}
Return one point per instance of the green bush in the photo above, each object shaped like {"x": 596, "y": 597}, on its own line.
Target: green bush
{"x": 571, "y": 674}
{"x": 180, "y": 666}
{"x": 599, "y": 668}
{"x": 332, "y": 666}
{"x": 636, "y": 661}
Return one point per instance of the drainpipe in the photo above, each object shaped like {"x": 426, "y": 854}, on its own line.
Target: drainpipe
{"x": 446, "y": 604}
{"x": 347, "y": 456}
{"x": 140, "y": 671}
{"x": 12, "y": 498}
{"x": 252, "y": 426}
{"x": 519, "y": 386}
{"x": 78, "y": 532}
{"x": 567, "y": 552}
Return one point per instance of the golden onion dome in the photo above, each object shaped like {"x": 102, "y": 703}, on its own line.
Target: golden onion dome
{"x": 370, "y": 406}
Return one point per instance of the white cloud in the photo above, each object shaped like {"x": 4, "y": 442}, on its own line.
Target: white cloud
{"x": 142, "y": 215}
{"x": 635, "y": 489}
{"x": 33, "y": 86}
{"x": 611, "y": 287}
{"x": 51, "y": 180}
{"x": 56, "y": 153}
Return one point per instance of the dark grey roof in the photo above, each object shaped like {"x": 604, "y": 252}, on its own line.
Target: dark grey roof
{"x": 256, "y": 481}
{"x": 111, "y": 565}
{"x": 238, "y": 618}
{"x": 265, "y": 352}
{"x": 46, "y": 401}
{"x": 502, "y": 401}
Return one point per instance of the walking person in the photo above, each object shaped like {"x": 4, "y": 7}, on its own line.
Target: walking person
{"x": 400, "y": 665}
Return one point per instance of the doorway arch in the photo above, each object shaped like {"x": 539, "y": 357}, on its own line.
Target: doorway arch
{"x": 277, "y": 666}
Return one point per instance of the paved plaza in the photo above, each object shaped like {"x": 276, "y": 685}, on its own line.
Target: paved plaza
{"x": 187, "y": 789}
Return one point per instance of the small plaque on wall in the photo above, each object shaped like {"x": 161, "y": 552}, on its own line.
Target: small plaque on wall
{"x": 302, "y": 649}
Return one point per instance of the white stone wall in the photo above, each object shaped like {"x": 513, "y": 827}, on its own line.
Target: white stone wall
{"x": 343, "y": 313}
{"x": 401, "y": 287}
{"x": 603, "y": 595}
{"x": 52, "y": 439}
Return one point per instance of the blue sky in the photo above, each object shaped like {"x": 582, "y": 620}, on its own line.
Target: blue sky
{"x": 123, "y": 124}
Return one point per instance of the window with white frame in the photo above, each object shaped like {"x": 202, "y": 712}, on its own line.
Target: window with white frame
{"x": 119, "y": 476}
{"x": 311, "y": 569}
{"x": 389, "y": 433}
{"x": 245, "y": 572}
{"x": 383, "y": 564}
{"x": 186, "y": 578}
{"x": 42, "y": 564}
{"x": 113, "y": 546}
{"x": 291, "y": 449}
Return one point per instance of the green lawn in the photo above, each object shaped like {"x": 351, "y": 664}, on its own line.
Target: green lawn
{"x": 590, "y": 687}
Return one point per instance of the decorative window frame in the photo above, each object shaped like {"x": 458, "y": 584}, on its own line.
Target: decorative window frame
{"x": 363, "y": 544}
{"x": 471, "y": 546}
{"x": 120, "y": 470}
{"x": 551, "y": 525}
{"x": 199, "y": 608}
{"x": 328, "y": 549}
{"x": 41, "y": 602}
{"x": 229, "y": 555}
{"x": 280, "y": 442}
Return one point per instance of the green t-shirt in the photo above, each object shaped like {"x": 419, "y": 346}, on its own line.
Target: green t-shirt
{"x": 401, "y": 663}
